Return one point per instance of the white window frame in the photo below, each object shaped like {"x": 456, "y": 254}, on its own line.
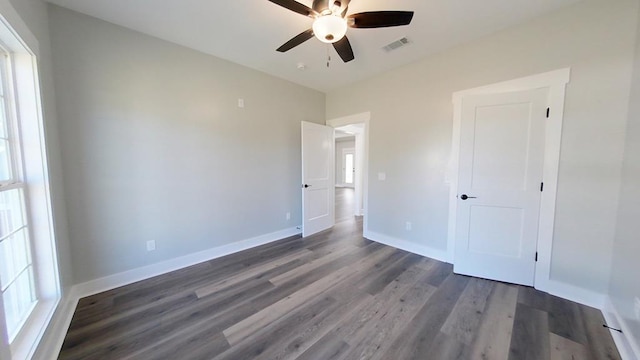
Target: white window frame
{"x": 23, "y": 50}
{"x": 16, "y": 181}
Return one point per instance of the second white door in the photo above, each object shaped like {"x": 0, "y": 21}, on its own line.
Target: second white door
{"x": 499, "y": 185}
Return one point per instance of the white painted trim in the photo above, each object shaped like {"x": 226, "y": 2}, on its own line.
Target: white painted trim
{"x": 556, "y": 81}
{"x": 627, "y": 346}
{"x": 128, "y": 277}
{"x": 53, "y": 338}
{"x": 437, "y": 254}
{"x": 558, "y": 77}
{"x": 553, "y": 139}
{"x": 575, "y": 294}
{"x": 361, "y": 118}
{"x": 351, "y": 119}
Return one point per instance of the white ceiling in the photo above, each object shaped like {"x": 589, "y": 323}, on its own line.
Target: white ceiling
{"x": 247, "y": 32}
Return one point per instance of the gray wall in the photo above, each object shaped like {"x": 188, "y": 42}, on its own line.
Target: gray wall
{"x": 411, "y": 123}
{"x": 156, "y": 148}
{"x": 625, "y": 273}
{"x": 347, "y": 143}
{"x": 34, "y": 14}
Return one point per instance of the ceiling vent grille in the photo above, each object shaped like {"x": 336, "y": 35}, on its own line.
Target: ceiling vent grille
{"x": 396, "y": 44}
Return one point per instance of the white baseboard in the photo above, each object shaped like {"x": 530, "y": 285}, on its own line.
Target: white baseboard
{"x": 628, "y": 348}
{"x": 437, "y": 254}
{"x": 50, "y": 346}
{"x": 573, "y": 293}
{"x": 128, "y": 277}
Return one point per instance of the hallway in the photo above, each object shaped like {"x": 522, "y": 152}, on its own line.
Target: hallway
{"x": 345, "y": 202}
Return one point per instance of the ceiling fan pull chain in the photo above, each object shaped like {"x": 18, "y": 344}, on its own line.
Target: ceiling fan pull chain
{"x": 328, "y": 57}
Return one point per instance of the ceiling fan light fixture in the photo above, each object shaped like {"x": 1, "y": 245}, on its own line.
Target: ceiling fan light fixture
{"x": 329, "y": 28}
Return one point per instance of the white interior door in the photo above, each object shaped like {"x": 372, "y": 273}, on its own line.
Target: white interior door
{"x": 318, "y": 179}
{"x": 499, "y": 185}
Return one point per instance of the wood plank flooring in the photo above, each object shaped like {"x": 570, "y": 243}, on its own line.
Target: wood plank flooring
{"x": 337, "y": 296}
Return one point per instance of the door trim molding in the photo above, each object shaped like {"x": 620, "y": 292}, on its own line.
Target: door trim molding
{"x": 556, "y": 82}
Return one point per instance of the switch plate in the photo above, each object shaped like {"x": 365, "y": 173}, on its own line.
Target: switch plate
{"x": 288, "y": 216}
{"x": 382, "y": 176}
{"x": 241, "y": 103}
{"x": 151, "y": 245}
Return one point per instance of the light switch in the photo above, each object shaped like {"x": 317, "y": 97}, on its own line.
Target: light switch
{"x": 382, "y": 176}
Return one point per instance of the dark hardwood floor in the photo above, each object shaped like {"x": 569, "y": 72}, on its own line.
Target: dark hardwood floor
{"x": 334, "y": 295}
{"x": 345, "y": 204}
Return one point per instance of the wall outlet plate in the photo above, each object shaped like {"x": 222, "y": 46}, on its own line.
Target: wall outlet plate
{"x": 408, "y": 226}
{"x": 151, "y": 245}
{"x": 636, "y": 307}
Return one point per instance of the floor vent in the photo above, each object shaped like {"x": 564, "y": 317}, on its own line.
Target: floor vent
{"x": 396, "y": 44}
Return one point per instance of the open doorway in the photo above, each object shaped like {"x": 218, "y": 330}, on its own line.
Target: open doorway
{"x": 345, "y": 172}
{"x": 351, "y": 161}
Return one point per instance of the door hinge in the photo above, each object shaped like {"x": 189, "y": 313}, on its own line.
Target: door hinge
{"x": 536, "y": 256}
{"x": 541, "y": 186}
{"x": 548, "y": 112}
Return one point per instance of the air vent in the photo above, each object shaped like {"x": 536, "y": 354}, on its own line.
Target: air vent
{"x": 396, "y": 44}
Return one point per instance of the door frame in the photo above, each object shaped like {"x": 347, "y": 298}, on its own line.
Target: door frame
{"x": 361, "y": 118}
{"x": 556, "y": 82}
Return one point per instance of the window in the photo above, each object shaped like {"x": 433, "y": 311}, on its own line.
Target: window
{"x": 16, "y": 266}
{"x": 29, "y": 277}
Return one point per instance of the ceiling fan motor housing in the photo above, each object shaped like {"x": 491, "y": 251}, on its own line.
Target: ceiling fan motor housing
{"x": 325, "y": 7}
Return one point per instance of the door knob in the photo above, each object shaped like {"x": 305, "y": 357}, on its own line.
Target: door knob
{"x": 306, "y": 186}
{"x": 465, "y": 197}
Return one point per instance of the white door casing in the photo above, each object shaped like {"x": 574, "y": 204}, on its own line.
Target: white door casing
{"x": 318, "y": 179}
{"x": 556, "y": 82}
{"x": 499, "y": 185}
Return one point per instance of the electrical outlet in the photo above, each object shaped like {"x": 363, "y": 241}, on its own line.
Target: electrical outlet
{"x": 407, "y": 226}
{"x": 636, "y": 307}
{"x": 151, "y": 245}
{"x": 288, "y": 216}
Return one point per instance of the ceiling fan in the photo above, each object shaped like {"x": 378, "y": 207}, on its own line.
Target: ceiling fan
{"x": 331, "y": 22}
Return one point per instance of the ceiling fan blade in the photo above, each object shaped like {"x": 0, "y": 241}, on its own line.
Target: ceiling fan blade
{"x": 295, "y": 7}
{"x": 378, "y": 19}
{"x": 343, "y": 47}
{"x": 297, "y": 40}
